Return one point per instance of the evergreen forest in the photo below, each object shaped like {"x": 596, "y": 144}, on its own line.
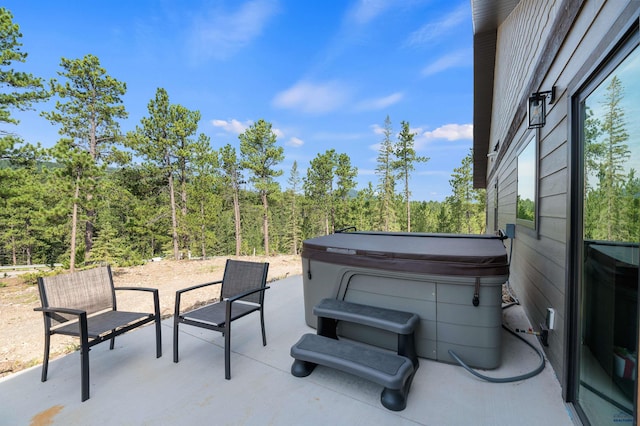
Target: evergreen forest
{"x": 161, "y": 189}
{"x": 612, "y": 186}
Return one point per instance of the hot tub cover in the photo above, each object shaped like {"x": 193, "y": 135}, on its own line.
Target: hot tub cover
{"x": 442, "y": 254}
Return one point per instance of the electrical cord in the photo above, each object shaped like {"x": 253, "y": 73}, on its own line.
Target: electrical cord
{"x": 525, "y": 376}
{"x": 511, "y": 295}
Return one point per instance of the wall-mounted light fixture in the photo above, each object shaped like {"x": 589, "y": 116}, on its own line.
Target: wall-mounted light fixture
{"x": 538, "y": 107}
{"x": 494, "y": 153}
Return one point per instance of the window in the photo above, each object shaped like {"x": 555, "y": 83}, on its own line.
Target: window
{"x": 527, "y": 185}
{"x": 608, "y": 231}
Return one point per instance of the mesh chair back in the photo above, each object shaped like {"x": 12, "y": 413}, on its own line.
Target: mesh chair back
{"x": 241, "y": 276}
{"x": 90, "y": 290}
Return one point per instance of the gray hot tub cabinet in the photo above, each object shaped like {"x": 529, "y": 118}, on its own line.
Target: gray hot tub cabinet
{"x": 440, "y": 277}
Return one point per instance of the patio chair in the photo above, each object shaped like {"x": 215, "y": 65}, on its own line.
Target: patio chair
{"x": 242, "y": 292}
{"x": 83, "y": 304}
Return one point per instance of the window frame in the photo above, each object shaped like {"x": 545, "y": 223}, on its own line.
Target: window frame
{"x": 529, "y": 138}
{"x": 623, "y": 37}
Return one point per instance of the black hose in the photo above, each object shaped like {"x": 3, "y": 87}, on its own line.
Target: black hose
{"x": 525, "y": 376}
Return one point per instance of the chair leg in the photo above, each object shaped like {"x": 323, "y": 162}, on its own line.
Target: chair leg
{"x": 158, "y": 337}
{"x": 156, "y": 306}
{"x": 264, "y": 335}
{"x": 45, "y": 361}
{"x": 84, "y": 367}
{"x": 175, "y": 338}
{"x": 227, "y": 350}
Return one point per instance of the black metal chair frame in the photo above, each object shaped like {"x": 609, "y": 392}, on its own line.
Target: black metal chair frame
{"x": 219, "y": 315}
{"x": 93, "y": 321}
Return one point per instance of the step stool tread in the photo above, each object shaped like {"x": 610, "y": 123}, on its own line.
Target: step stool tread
{"x": 398, "y": 322}
{"x": 382, "y": 367}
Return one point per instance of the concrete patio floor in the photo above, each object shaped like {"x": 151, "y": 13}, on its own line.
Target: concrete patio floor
{"x": 129, "y": 386}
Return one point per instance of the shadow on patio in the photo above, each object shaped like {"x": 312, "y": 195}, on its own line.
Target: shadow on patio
{"x": 130, "y": 386}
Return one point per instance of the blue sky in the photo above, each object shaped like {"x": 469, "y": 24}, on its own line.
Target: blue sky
{"x": 324, "y": 73}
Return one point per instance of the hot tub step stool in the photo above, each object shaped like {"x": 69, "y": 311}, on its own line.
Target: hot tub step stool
{"x": 393, "y": 371}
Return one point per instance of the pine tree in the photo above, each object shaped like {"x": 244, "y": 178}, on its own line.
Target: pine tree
{"x": 203, "y": 194}
{"x": 387, "y": 179}
{"x": 318, "y": 188}
{"x": 260, "y": 155}
{"x": 294, "y": 187}
{"x": 405, "y": 163}
{"x": 108, "y": 247}
{"x": 88, "y": 109}
{"x": 366, "y": 209}
{"x": 345, "y": 183}
{"x": 616, "y": 152}
{"x": 466, "y": 204}
{"x": 232, "y": 179}
{"x": 19, "y": 89}
{"x": 163, "y": 140}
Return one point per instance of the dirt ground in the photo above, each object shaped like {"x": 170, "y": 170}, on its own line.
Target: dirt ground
{"x": 22, "y": 329}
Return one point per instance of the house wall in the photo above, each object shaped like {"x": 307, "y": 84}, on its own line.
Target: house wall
{"x": 539, "y": 257}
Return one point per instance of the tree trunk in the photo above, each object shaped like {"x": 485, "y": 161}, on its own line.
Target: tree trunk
{"x": 202, "y": 232}
{"x": 74, "y": 226}
{"x": 406, "y": 193}
{"x": 89, "y": 230}
{"x": 174, "y": 219}
{"x": 236, "y": 219}
{"x": 183, "y": 197}
{"x": 294, "y": 225}
{"x": 14, "y": 253}
{"x": 265, "y": 222}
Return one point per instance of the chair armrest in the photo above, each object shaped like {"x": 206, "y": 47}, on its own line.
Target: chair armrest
{"x": 184, "y": 290}
{"x": 137, "y": 288}
{"x": 240, "y": 296}
{"x": 156, "y": 297}
{"x": 229, "y": 302}
{"x": 53, "y": 310}
{"x": 82, "y": 321}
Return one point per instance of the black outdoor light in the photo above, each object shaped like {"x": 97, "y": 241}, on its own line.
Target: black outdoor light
{"x": 538, "y": 107}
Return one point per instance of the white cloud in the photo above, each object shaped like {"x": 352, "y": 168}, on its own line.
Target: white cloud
{"x": 451, "y": 132}
{"x": 279, "y": 133}
{"x": 237, "y": 127}
{"x": 295, "y": 142}
{"x": 313, "y": 98}
{"x": 365, "y": 11}
{"x": 416, "y": 130}
{"x": 232, "y": 126}
{"x": 377, "y": 129}
{"x": 220, "y": 34}
{"x": 380, "y": 103}
{"x": 458, "y": 58}
{"x": 437, "y": 29}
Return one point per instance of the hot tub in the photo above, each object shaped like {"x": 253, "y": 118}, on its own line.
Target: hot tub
{"x": 453, "y": 282}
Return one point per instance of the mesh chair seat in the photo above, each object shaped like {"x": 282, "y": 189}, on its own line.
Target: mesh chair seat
{"x": 104, "y": 323}
{"x": 215, "y": 314}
